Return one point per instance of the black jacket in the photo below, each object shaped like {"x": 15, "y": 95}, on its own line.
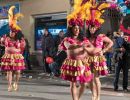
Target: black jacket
{"x": 48, "y": 45}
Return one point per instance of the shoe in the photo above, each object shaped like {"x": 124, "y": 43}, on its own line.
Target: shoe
{"x": 52, "y": 75}
{"x": 125, "y": 90}
{"x": 15, "y": 87}
{"x": 115, "y": 88}
{"x": 10, "y": 88}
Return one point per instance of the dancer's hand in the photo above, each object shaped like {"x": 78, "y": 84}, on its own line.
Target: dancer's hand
{"x": 99, "y": 53}
{"x": 122, "y": 49}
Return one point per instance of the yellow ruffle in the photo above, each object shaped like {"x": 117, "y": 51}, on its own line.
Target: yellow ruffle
{"x": 100, "y": 59}
{"x": 12, "y": 64}
{"x": 96, "y": 59}
{"x": 76, "y": 63}
{"x": 73, "y": 73}
{"x": 13, "y": 56}
{"x": 100, "y": 68}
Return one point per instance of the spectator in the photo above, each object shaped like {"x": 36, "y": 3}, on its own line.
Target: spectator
{"x": 47, "y": 49}
{"x": 26, "y": 54}
{"x": 59, "y": 58}
{"x": 119, "y": 58}
{"x": 2, "y": 49}
{"x": 126, "y": 66}
{"x": 59, "y": 38}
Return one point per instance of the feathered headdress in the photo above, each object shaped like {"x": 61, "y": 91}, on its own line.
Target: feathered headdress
{"x": 94, "y": 13}
{"x": 13, "y": 18}
{"x": 88, "y": 10}
{"x": 75, "y": 18}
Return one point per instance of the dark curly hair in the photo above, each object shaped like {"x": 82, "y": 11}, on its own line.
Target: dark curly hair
{"x": 18, "y": 35}
{"x": 70, "y": 33}
{"x": 89, "y": 35}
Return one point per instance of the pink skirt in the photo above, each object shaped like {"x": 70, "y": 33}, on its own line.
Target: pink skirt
{"x": 98, "y": 65}
{"x": 76, "y": 71}
{"x": 12, "y": 62}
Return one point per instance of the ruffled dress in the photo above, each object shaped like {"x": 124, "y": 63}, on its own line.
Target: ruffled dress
{"x": 13, "y": 59}
{"x": 74, "y": 68}
{"x": 98, "y": 62}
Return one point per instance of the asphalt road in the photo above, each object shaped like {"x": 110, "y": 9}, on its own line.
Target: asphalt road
{"x": 44, "y": 88}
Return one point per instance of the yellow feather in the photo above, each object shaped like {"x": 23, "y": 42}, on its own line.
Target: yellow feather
{"x": 13, "y": 18}
{"x": 103, "y": 6}
{"x": 10, "y": 11}
{"x": 76, "y": 10}
{"x": 85, "y": 10}
{"x": 18, "y": 15}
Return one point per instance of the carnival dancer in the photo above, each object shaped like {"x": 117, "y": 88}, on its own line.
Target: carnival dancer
{"x": 100, "y": 41}
{"x": 73, "y": 68}
{"x": 12, "y": 61}
{"x": 98, "y": 61}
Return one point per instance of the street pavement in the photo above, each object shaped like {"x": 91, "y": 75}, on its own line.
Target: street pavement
{"x": 42, "y": 87}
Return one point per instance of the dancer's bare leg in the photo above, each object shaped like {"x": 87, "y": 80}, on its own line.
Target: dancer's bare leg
{"x": 98, "y": 87}
{"x": 93, "y": 89}
{"x": 16, "y": 79}
{"x": 9, "y": 79}
{"x": 73, "y": 89}
{"x": 81, "y": 90}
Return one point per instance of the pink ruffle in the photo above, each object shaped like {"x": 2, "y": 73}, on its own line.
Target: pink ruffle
{"x": 6, "y": 68}
{"x": 81, "y": 79}
{"x": 99, "y": 41}
{"x": 9, "y": 60}
{"x": 62, "y": 47}
{"x": 100, "y": 63}
{"x": 72, "y": 68}
{"x": 100, "y": 66}
{"x": 103, "y": 72}
{"x": 72, "y": 41}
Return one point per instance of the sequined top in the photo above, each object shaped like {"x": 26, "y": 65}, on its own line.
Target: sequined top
{"x": 12, "y": 46}
{"x": 98, "y": 42}
{"x": 74, "y": 48}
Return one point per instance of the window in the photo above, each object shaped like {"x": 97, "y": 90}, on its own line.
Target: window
{"x": 54, "y": 23}
{"x": 4, "y": 27}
